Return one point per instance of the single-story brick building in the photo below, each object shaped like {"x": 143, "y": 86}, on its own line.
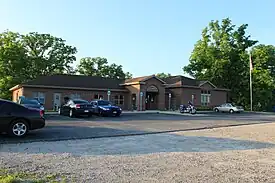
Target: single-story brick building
{"x": 142, "y": 93}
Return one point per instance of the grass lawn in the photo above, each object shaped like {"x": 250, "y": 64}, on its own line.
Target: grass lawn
{"x": 7, "y": 177}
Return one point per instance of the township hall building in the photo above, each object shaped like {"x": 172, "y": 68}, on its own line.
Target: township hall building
{"x": 142, "y": 93}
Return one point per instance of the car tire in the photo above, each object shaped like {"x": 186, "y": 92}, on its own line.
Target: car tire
{"x": 231, "y": 111}
{"x": 100, "y": 113}
{"x": 71, "y": 113}
{"x": 18, "y": 128}
{"x": 217, "y": 110}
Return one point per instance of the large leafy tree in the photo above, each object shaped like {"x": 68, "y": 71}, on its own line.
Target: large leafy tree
{"x": 163, "y": 75}
{"x": 24, "y": 57}
{"x": 221, "y": 57}
{"x": 263, "y": 76}
{"x": 99, "y": 66}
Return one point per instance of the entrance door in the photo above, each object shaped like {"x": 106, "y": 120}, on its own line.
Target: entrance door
{"x": 151, "y": 101}
{"x": 56, "y": 101}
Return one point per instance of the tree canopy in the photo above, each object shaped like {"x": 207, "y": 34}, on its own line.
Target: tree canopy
{"x": 98, "y": 66}
{"x": 163, "y": 75}
{"x": 25, "y": 57}
{"x": 222, "y": 57}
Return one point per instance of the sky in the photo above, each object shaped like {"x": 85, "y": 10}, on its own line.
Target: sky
{"x": 144, "y": 36}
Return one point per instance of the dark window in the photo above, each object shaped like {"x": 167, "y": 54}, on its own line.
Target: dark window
{"x": 96, "y": 96}
{"x": 26, "y": 101}
{"x": 121, "y": 99}
{"x": 80, "y": 101}
{"x": 13, "y": 107}
{"x": 103, "y": 103}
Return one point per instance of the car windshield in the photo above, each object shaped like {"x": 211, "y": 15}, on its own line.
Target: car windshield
{"x": 33, "y": 102}
{"x": 103, "y": 103}
{"x": 80, "y": 101}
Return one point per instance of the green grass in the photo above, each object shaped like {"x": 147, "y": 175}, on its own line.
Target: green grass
{"x": 7, "y": 177}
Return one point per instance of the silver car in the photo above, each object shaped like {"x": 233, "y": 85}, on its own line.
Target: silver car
{"x": 229, "y": 107}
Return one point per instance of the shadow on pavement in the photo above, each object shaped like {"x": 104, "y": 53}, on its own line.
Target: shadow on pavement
{"x": 168, "y": 117}
{"x": 145, "y": 144}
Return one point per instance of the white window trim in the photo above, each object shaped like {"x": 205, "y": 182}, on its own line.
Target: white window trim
{"x": 117, "y": 101}
{"x": 206, "y": 97}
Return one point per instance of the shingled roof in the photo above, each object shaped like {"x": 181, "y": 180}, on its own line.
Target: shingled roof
{"x": 76, "y": 81}
{"x": 143, "y": 79}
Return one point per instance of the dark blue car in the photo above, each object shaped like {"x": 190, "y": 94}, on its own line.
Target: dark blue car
{"x": 105, "y": 108}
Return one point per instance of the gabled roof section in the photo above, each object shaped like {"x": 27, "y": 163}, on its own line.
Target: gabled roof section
{"x": 140, "y": 80}
{"x": 201, "y": 83}
{"x": 75, "y": 81}
{"x": 186, "y": 81}
{"x": 182, "y": 80}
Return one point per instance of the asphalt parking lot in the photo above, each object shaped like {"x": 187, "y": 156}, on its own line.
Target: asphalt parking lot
{"x": 65, "y": 128}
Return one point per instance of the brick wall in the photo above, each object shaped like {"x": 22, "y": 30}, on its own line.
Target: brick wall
{"x": 84, "y": 94}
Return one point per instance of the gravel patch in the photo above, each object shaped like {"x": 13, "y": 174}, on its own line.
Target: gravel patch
{"x": 217, "y": 155}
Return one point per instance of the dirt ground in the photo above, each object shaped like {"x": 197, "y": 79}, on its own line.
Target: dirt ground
{"x": 234, "y": 154}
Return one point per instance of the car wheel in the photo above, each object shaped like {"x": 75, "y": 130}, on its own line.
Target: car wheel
{"x": 231, "y": 111}
{"x": 71, "y": 113}
{"x": 18, "y": 128}
{"x": 100, "y": 113}
{"x": 216, "y": 110}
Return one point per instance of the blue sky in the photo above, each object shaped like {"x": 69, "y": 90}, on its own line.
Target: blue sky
{"x": 145, "y": 36}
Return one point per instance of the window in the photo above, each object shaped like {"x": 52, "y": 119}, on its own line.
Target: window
{"x": 80, "y": 102}
{"x": 75, "y": 96}
{"x": 205, "y": 97}
{"x": 103, "y": 103}
{"x": 39, "y": 96}
{"x": 119, "y": 100}
{"x": 97, "y": 96}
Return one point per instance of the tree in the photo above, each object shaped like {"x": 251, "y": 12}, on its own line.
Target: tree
{"x": 221, "y": 57}
{"x": 163, "y": 75}
{"x": 98, "y": 66}
{"x": 24, "y": 57}
{"x": 48, "y": 54}
{"x": 263, "y": 76}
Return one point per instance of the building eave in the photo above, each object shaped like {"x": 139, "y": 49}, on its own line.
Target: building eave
{"x": 209, "y": 83}
{"x": 15, "y": 87}
{"x": 153, "y": 76}
{"x": 132, "y": 83}
{"x": 75, "y": 88}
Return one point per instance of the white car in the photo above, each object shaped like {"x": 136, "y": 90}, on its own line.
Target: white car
{"x": 228, "y": 107}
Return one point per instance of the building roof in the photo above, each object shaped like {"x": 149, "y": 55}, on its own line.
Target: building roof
{"x": 76, "y": 81}
{"x": 143, "y": 79}
{"x": 183, "y": 80}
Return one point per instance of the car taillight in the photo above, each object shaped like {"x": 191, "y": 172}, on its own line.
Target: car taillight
{"x": 41, "y": 113}
{"x": 77, "y": 106}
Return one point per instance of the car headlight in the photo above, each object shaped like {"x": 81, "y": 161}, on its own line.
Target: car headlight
{"x": 120, "y": 109}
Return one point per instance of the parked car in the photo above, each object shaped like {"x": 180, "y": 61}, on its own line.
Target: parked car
{"x": 76, "y": 107}
{"x": 18, "y": 120}
{"x": 105, "y": 108}
{"x": 229, "y": 107}
{"x": 32, "y": 103}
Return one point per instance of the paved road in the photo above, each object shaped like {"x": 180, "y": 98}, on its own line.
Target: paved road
{"x": 65, "y": 128}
